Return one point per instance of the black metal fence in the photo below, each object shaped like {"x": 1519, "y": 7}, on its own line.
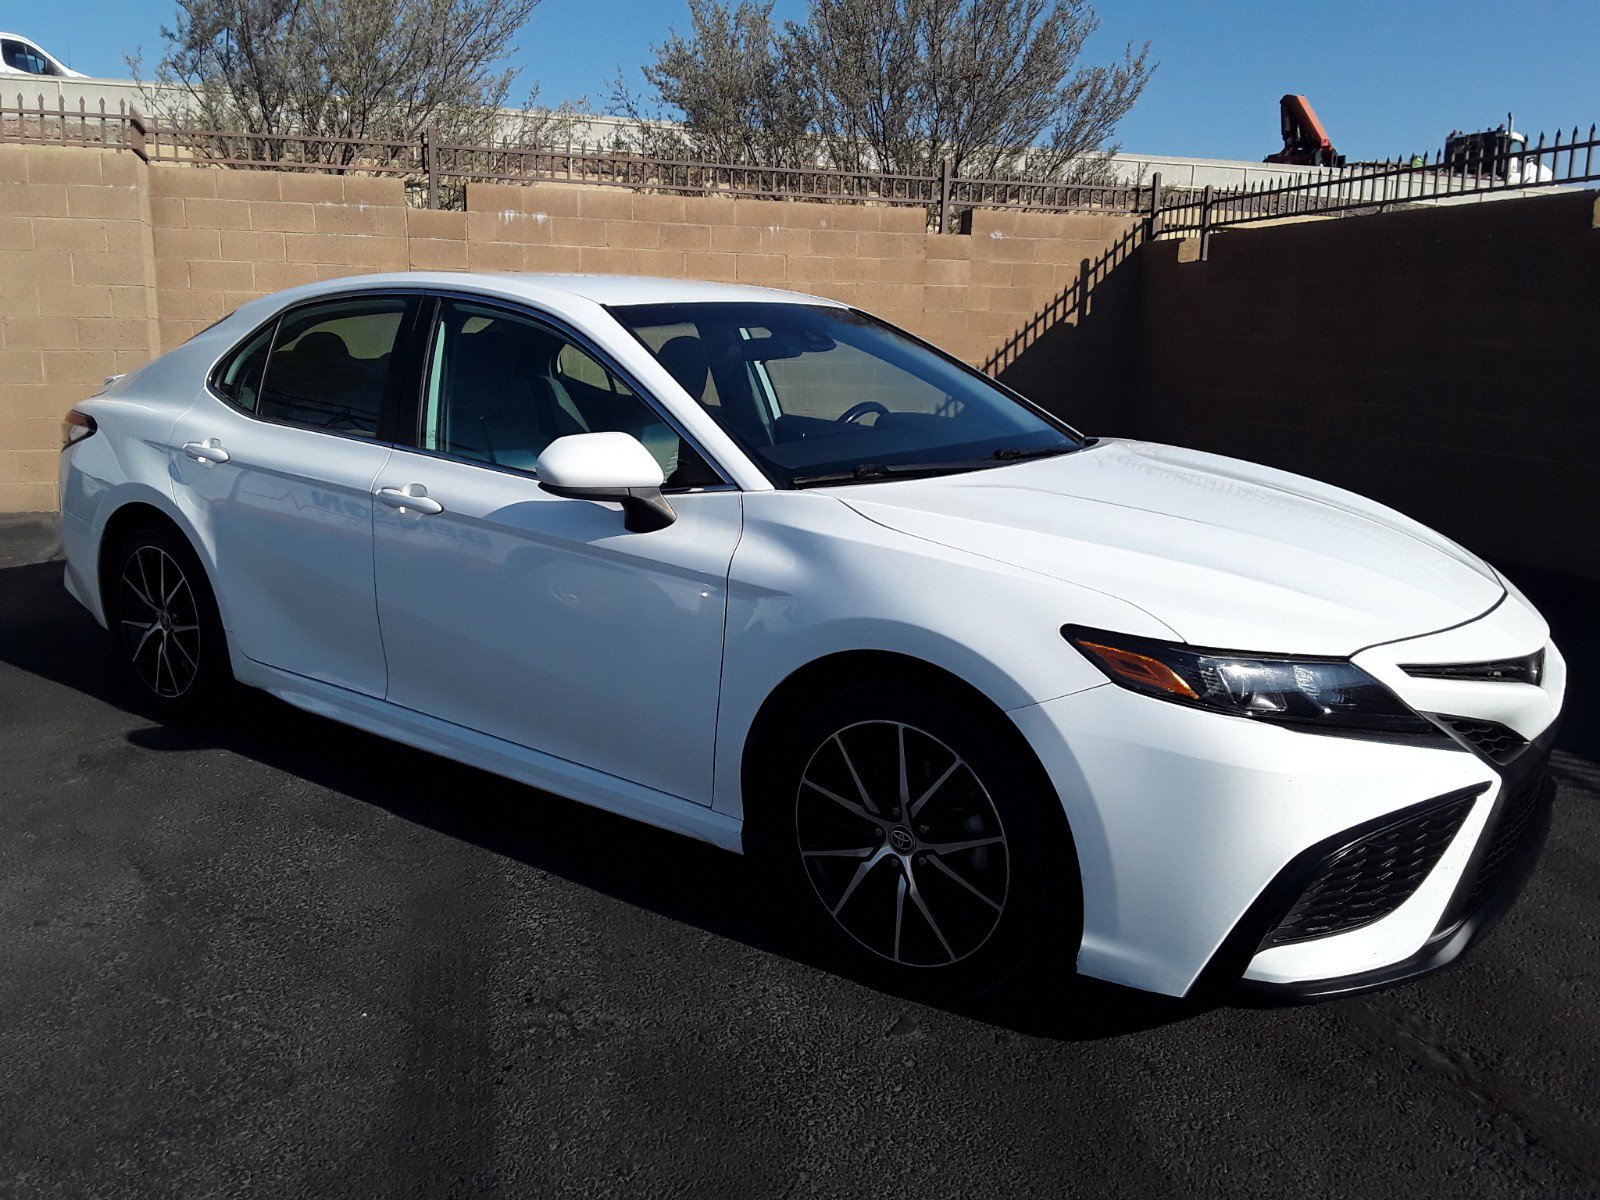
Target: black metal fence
{"x": 1470, "y": 165}
{"x": 435, "y": 172}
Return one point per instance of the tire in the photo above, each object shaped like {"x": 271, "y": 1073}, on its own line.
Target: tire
{"x": 164, "y": 621}
{"x": 944, "y": 894}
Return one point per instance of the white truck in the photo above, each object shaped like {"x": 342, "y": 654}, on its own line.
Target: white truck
{"x": 22, "y": 56}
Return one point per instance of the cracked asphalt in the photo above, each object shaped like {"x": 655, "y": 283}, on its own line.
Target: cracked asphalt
{"x": 267, "y": 955}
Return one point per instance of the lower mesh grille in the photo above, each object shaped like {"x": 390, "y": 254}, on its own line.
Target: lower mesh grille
{"x": 1372, "y": 876}
{"x": 1495, "y": 742}
{"x": 1511, "y": 830}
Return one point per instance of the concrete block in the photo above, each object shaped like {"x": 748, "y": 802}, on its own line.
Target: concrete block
{"x": 65, "y": 233}
{"x": 606, "y": 204}
{"x": 247, "y": 185}
{"x": 184, "y": 181}
{"x": 63, "y": 164}
{"x": 113, "y": 203}
{"x": 282, "y": 217}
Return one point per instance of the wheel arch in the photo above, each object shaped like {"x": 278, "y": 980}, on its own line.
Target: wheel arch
{"x": 815, "y": 679}
{"x": 139, "y": 512}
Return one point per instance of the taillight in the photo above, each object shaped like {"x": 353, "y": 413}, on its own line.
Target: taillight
{"x": 75, "y": 428}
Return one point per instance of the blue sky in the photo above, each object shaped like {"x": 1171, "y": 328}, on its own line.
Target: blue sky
{"x": 1387, "y": 77}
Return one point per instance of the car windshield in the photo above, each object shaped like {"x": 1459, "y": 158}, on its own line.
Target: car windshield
{"x": 819, "y": 394}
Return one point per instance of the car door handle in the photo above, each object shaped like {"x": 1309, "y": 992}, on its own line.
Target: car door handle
{"x": 411, "y": 498}
{"x": 206, "y": 452}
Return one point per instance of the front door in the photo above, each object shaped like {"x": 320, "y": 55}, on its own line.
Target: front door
{"x": 537, "y": 619}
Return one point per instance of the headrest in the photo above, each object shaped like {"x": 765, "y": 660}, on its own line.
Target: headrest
{"x": 322, "y": 345}
{"x": 687, "y": 361}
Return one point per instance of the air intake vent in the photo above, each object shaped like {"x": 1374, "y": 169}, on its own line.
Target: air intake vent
{"x": 1510, "y": 832}
{"x": 1373, "y": 876}
{"x": 1494, "y": 741}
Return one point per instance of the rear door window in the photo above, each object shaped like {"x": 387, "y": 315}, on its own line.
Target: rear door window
{"x": 332, "y": 364}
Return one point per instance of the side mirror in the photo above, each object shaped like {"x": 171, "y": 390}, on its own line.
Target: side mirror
{"x": 608, "y": 466}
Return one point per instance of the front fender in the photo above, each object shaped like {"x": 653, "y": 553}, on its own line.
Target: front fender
{"x": 812, "y": 579}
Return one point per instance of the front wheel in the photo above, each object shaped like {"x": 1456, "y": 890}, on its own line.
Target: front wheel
{"x": 165, "y": 619}
{"x": 920, "y": 841}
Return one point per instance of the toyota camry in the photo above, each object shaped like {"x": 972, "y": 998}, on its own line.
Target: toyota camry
{"x": 979, "y": 690}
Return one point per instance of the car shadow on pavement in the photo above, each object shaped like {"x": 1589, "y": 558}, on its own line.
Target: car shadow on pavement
{"x": 45, "y": 633}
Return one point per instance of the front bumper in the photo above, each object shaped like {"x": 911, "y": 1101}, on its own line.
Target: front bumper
{"x": 1499, "y": 864}
{"x": 1196, "y": 832}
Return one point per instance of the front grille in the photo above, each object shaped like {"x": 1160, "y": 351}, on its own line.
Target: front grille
{"x": 1494, "y": 741}
{"x": 1372, "y": 876}
{"x": 1527, "y": 669}
{"x": 1511, "y": 830}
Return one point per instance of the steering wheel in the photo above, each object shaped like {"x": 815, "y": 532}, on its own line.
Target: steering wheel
{"x": 856, "y": 411}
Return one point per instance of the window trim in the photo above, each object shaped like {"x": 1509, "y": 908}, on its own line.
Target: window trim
{"x": 413, "y": 403}
{"x": 392, "y": 402}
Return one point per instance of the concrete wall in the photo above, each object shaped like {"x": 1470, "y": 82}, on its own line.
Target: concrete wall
{"x": 107, "y": 261}
{"x": 77, "y": 299}
{"x": 1444, "y": 361}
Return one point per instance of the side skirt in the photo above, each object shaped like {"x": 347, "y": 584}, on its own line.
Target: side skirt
{"x": 507, "y": 759}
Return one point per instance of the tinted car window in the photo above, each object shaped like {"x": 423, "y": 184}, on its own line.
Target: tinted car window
{"x": 331, "y": 365}
{"x": 502, "y": 387}
{"x": 238, "y": 376}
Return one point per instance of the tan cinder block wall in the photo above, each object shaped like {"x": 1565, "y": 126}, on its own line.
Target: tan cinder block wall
{"x": 108, "y": 261}
{"x": 77, "y": 298}
{"x": 969, "y": 293}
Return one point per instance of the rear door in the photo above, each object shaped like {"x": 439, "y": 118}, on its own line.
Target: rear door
{"x": 277, "y": 465}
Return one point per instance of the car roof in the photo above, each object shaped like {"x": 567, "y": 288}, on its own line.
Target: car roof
{"x": 648, "y": 289}
{"x": 597, "y": 289}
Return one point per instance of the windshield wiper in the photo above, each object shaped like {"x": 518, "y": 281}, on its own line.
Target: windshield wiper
{"x": 1012, "y": 454}
{"x": 870, "y": 472}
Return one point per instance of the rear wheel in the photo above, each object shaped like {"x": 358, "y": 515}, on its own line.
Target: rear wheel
{"x": 165, "y": 620}
{"x": 919, "y": 841}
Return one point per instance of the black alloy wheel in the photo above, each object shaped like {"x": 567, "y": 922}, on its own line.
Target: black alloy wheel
{"x": 165, "y": 619}
{"x": 913, "y": 836}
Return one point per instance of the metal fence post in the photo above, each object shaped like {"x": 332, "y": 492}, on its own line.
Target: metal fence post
{"x": 1205, "y": 222}
{"x": 1153, "y": 228}
{"x": 136, "y": 132}
{"x": 945, "y": 176}
{"x": 428, "y": 165}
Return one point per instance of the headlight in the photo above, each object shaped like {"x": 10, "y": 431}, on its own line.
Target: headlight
{"x": 1330, "y": 693}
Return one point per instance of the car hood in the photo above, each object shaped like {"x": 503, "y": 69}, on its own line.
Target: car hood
{"x": 1226, "y": 554}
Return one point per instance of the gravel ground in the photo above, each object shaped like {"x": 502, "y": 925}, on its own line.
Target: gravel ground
{"x": 268, "y": 955}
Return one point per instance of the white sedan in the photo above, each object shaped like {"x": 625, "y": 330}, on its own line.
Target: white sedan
{"x": 764, "y": 570}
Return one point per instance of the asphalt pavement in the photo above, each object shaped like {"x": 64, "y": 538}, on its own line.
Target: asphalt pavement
{"x": 267, "y": 955}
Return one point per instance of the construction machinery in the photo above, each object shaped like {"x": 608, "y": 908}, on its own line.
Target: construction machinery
{"x": 1500, "y": 153}
{"x": 1305, "y": 141}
